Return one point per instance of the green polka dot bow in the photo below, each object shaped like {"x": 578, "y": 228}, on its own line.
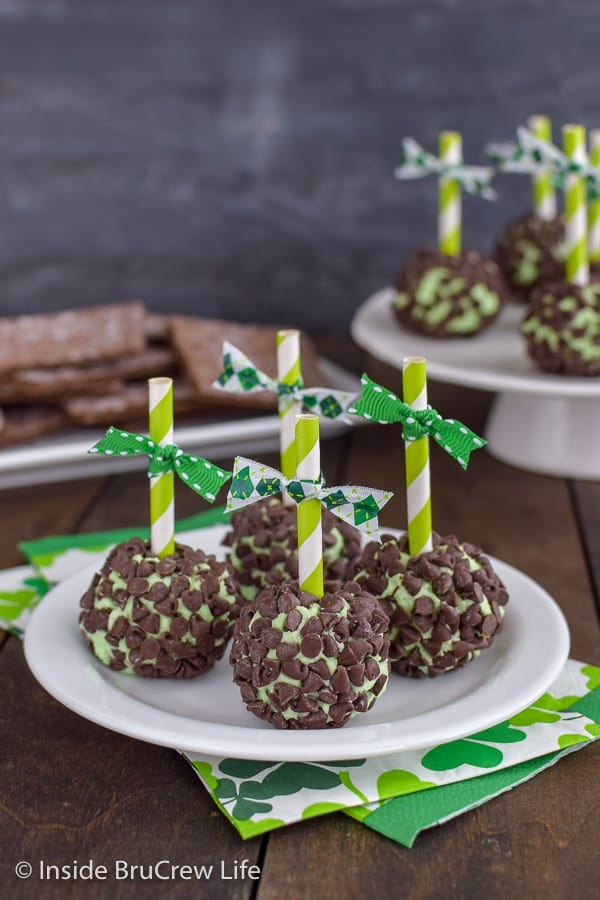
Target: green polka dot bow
{"x": 240, "y": 376}
{"x": 531, "y": 155}
{"x": 417, "y": 162}
{"x": 199, "y": 474}
{"x": 377, "y": 404}
{"x": 358, "y": 506}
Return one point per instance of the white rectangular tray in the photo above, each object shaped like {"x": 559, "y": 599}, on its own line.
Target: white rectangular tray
{"x": 64, "y": 457}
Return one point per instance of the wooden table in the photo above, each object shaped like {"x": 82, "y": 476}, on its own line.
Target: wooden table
{"x": 71, "y": 790}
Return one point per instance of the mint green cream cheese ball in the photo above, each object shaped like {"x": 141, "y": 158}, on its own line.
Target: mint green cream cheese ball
{"x": 562, "y": 328}
{"x": 448, "y": 296}
{"x": 159, "y": 618}
{"x": 445, "y": 606}
{"x": 304, "y": 663}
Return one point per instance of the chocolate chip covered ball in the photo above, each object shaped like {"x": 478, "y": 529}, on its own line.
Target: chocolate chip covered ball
{"x": 306, "y": 663}
{"x": 263, "y": 544}
{"x": 448, "y": 296}
{"x": 529, "y": 252}
{"x": 445, "y": 606}
{"x": 562, "y": 328}
{"x": 159, "y": 618}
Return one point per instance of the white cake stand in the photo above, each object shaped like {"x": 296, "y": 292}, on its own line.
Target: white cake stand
{"x": 543, "y": 423}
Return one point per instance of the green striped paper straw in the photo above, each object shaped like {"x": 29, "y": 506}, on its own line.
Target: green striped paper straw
{"x": 162, "y": 487}
{"x": 449, "y": 212}
{"x": 289, "y": 371}
{"x": 544, "y": 195}
{"x": 594, "y": 205}
{"x": 310, "y": 539}
{"x": 577, "y": 268}
{"x": 418, "y": 483}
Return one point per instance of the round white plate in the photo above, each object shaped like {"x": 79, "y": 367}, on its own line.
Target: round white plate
{"x": 495, "y": 360}
{"x": 206, "y": 714}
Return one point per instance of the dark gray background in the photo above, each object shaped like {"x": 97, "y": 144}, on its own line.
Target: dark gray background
{"x": 235, "y": 157}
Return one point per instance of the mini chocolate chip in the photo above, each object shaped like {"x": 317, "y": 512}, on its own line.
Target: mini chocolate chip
{"x": 134, "y": 637}
{"x": 311, "y": 646}
{"x": 179, "y": 627}
{"x": 424, "y": 606}
{"x": 339, "y": 712}
{"x": 379, "y": 685}
{"x": 150, "y": 623}
{"x": 271, "y": 637}
{"x": 149, "y": 648}
{"x": 157, "y": 592}
{"x": 489, "y": 625}
{"x": 321, "y": 668}
{"x": 312, "y": 682}
{"x": 286, "y": 650}
{"x": 293, "y": 668}
{"x": 340, "y": 680}
{"x": 313, "y": 626}
{"x": 293, "y": 620}
{"x": 138, "y": 586}
{"x": 166, "y": 566}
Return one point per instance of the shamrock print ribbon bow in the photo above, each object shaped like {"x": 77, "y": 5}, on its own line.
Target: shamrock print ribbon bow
{"x": 358, "y": 506}
{"x": 240, "y": 376}
{"x": 417, "y": 162}
{"x": 377, "y": 404}
{"x": 530, "y": 154}
{"x": 199, "y": 474}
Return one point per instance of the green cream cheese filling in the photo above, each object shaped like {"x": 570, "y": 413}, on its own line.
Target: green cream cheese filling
{"x": 396, "y": 592}
{"x": 97, "y": 639}
{"x": 295, "y": 637}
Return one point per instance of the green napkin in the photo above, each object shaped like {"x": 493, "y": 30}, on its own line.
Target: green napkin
{"x": 398, "y": 795}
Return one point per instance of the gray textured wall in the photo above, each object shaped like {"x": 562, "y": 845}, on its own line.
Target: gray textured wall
{"x": 234, "y": 157}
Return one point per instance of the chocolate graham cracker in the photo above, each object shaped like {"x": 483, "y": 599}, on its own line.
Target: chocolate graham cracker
{"x": 130, "y": 404}
{"x": 24, "y": 424}
{"x": 199, "y": 345}
{"x": 101, "y": 378}
{"x": 71, "y": 337}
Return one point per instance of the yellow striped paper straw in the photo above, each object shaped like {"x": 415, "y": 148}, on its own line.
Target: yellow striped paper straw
{"x": 449, "y": 209}
{"x": 162, "y": 488}
{"x": 289, "y": 371}
{"x": 544, "y": 195}
{"x": 577, "y": 268}
{"x": 310, "y": 539}
{"x": 594, "y": 205}
{"x": 418, "y": 483}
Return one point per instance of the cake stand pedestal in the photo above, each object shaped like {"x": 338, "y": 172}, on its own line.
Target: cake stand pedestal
{"x": 543, "y": 423}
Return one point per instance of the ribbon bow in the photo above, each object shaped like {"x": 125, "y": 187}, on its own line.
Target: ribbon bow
{"x": 377, "y": 404}
{"x": 531, "y": 155}
{"x": 358, "y": 506}
{"x": 417, "y": 162}
{"x": 201, "y": 475}
{"x": 240, "y": 376}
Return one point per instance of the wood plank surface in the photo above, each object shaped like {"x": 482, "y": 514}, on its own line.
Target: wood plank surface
{"x": 71, "y": 790}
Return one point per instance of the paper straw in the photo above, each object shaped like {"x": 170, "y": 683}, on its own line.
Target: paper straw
{"x": 577, "y": 268}
{"x": 544, "y": 195}
{"x": 162, "y": 489}
{"x": 449, "y": 213}
{"x": 418, "y": 485}
{"x": 289, "y": 371}
{"x": 310, "y": 539}
{"x": 594, "y": 205}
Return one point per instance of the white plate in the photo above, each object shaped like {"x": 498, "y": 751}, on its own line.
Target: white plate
{"x": 206, "y": 714}
{"x": 64, "y": 457}
{"x": 494, "y": 360}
